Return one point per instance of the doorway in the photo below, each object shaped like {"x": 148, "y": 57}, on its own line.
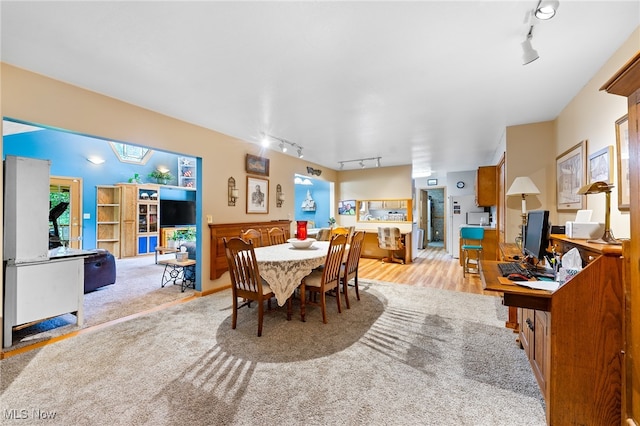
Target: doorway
{"x": 64, "y": 225}
{"x": 432, "y": 217}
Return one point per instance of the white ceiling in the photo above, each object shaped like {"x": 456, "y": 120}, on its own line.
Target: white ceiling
{"x": 431, "y": 83}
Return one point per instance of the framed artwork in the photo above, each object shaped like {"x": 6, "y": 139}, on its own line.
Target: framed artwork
{"x": 432, "y": 182}
{"x": 622, "y": 154}
{"x": 601, "y": 166}
{"x": 347, "y": 207}
{"x": 570, "y": 177}
{"x": 257, "y": 165}
{"x": 257, "y": 195}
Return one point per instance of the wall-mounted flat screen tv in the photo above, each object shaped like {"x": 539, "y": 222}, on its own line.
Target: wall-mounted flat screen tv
{"x": 177, "y": 213}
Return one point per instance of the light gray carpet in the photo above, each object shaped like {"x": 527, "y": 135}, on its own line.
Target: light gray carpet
{"x": 403, "y": 355}
{"x": 137, "y": 289}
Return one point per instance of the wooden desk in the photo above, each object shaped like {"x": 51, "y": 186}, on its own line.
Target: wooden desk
{"x": 573, "y": 336}
{"x": 370, "y": 248}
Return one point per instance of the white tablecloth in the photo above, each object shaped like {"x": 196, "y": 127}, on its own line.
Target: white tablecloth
{"x": 284, "y": 266}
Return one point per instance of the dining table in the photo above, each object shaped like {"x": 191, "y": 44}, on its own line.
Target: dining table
{"x": 283, "y": 267}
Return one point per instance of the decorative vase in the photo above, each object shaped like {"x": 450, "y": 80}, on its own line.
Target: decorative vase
{"x": 301, "y": 230}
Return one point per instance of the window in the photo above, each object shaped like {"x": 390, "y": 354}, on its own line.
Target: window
{"x": 131, "y": 153}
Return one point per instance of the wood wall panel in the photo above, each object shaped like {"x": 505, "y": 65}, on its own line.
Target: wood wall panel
{"x": 218, "y": 231}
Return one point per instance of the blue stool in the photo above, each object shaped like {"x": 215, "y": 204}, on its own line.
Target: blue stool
{"x": 470, "y": 236}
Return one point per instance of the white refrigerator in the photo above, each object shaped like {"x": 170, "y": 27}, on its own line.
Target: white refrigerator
{"x": 459, "y": 206}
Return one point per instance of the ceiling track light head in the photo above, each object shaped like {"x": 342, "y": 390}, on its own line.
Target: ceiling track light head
{"x": 300, "y": 155}
{"x": 546, "y": 9}
{"x": 529, "y": 54}
{"x": 361, "y": 162}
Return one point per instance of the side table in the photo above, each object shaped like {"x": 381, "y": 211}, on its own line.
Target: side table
{"x": 183, "y": 271}
{"x": 163, "y": 250}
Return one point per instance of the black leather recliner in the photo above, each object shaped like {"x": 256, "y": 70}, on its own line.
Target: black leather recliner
{"x": 99, "y": 270}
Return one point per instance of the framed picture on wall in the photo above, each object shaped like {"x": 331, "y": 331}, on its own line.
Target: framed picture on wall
{"x": 622, "y": 156}
{"x": 571, "y": 176}
{"x": 347, "y": 207}
{"x": 601, "y": 166}
{"x": 257, "y": 165}
{"x": 257, "y": 195}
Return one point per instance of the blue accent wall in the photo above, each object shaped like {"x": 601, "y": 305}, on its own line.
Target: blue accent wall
{"x": 68, "y": 154}
{"x": 320, "y": 192}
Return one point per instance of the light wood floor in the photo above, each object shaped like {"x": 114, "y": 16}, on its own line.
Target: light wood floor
{"x": 432, "y": 268}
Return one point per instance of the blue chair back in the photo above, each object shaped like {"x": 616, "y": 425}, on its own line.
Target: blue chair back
{"x": 472, "y": 233}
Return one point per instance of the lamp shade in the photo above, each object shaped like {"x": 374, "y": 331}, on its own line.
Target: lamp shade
{"x": 595, "y": 188}
{"x": 523, "y": 185}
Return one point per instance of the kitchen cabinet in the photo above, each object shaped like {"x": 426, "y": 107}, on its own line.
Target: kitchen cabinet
{"x": 108, "y": 219}
{"x": 486, "y": 186}
{"x": 398, "y": 210}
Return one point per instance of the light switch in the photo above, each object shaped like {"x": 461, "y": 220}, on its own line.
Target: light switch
{"x": 86, "y": 216}
{"x": 209, "y": 218}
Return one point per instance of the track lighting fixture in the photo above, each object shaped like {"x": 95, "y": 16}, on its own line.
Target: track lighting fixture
{"x": 529, "y": 54}
{"x": 546, "y": 9}
{"x": 360, "y": 161}
{"x": 283, "y": 144}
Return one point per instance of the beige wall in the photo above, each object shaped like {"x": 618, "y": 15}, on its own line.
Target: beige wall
{"x": 373, "y": 184}
{"x": 530, "y": 152}
{"x": 41, "y": 100}
{"x": 590, "y": 116}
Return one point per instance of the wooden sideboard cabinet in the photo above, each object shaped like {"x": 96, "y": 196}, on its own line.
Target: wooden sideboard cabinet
{"x": 218, "y": 231}
{"x": 486, "y": 186}
{"x": 574, "y": 335}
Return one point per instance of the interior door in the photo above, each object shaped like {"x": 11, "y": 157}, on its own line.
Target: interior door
{"x": 68, "y": 188}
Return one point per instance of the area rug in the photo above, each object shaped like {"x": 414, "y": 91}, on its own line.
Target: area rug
{"x": 402, "y": 355}
{"x": 137, "y": 289}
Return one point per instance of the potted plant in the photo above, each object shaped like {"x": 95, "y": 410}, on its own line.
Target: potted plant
{"x": 332, "y": 222}
{"x": 174, "y": 239}
{"x": 160, "y": 176}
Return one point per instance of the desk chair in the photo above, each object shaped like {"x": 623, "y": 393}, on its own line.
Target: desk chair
{"x": 471, "y": 240}
{"x": 246, "y": 281}
{"x": 390, "y": 239}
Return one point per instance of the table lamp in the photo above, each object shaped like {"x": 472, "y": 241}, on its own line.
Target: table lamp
{"x": 522, "y": 185}
{"x": 597, "y": 188}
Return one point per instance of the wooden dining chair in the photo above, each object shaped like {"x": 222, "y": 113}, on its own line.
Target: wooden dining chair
{"x": 246, "y": 282}
{"x": 349, "y": 269}
{"x": 328, "y": 278}
{"x": 324, "y": 234}
{"x": 252, "y": 235}
{"x": 340, "y": 230}
{"x": 277, "y": 236}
